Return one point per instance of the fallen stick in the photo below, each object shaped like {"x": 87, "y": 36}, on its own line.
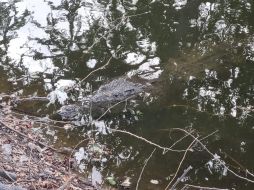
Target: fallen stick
{"x": 143, "y": 168}
{"x": 212, "y": 155}
{"x": 67, "y": 184}
{"x": 33, "y": 98}
{"x": 93, "y": 71}
{"x": 24, "y": 135}
{"x": 8, "y": 175}
{"x": 181, "y": 177}
{"x": 200, "y": 187}
{"x": 181, "y": 162}
{"x": 10, "y": 187}
{"x": 147, "y": 141}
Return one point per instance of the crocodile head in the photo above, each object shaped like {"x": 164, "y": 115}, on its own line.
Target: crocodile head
{"x": 116, "y": 90}
{"x": 70, "y": 112}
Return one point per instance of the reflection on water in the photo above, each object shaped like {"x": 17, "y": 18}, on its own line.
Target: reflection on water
{"x": 197, "y": 57}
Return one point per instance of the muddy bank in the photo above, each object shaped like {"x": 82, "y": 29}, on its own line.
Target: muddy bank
{"x": 28, "y": 163}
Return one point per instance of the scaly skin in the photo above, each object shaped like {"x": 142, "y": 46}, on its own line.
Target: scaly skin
{"x": 115, "y": 91}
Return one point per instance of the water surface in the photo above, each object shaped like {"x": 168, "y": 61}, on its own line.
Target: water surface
{"x": 198, "y": 55}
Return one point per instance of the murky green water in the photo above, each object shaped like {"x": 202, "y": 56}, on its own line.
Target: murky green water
{"x": 198, "y": 56}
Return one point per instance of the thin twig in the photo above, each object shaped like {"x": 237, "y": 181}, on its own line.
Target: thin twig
{"x": 74, "y": 150}
{"x": 181, "y": 162}
{"x": 181, "y": 177}
{"x": 93, "y": 71}
{"x": 100, "y": 68}
{"x": 244, "y": 169}
{"x": 66, "y": 184}
{"x": 248, "y": 172}
{"x": 147, "y": 141}
{"x": 102, "y": 115}
{"x": 205, "y": 137}
{"x": 8, "y": 175}
{"x": 184, "y": 156}
{"x": 143, "y": 168}
{"x": 209, "y": 152}
{"x": 37, "y": 119}
{"x": 122, "y": 19}
{"x": 104, "y": 36}
{"x": 179, "y": 140}
{"x": 200, "y": 187}
{"x": 33, "y": 98}
{"x": 89, "y": 74}
{"x": 29, "y": 162}
{"x": 24, "y": 135}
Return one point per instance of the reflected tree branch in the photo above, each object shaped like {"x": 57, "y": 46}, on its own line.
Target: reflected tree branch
{"x": 179, "y": 166}
{"x": 212, "y": 155}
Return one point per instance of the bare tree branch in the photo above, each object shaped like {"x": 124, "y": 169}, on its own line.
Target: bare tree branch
{"x": 146, "y": 161}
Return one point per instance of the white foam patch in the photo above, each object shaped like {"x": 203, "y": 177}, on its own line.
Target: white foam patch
{"x": 179, "y": 4}
{"x": 64, "y": 83}
{"x": 147, "y": 46}
{"x": 91, "y": 63}
{"x": 148, "y": 70}
{"x": 134, "y": 58}
{"x": 101, "y": 126}
{"x": 59, "y": 94}
{"x": 80, "y": 155}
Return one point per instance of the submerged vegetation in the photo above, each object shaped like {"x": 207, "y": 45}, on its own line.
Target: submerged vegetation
{"x": 89, "y": 60}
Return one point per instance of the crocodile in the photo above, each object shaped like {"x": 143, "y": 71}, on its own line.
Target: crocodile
{"x": 189, "y": 63}
{"x": 110, "y": 93}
